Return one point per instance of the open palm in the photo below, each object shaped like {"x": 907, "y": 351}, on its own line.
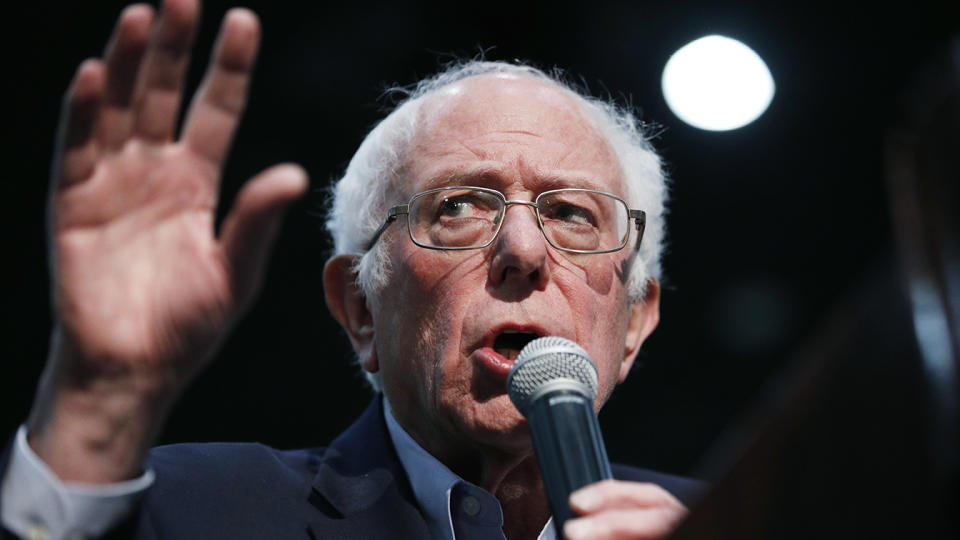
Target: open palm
{"x": 142, "y": 284}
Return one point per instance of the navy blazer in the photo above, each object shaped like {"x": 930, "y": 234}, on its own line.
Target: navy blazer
{"x": 355, "y": 488}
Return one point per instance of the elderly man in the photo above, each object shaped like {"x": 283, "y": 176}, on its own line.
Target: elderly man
{"x": 493, "y": 206}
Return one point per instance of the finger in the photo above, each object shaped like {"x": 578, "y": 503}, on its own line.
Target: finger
{"x": 609, "y": 494}
{"x": 123, "y": 57}
{"x": 76, "y": 147}
{"x": 164, "y": 66}
{"x": 215, "y": 111}
{"x": 612, "y": 524}
{"x": 248, "y": 231}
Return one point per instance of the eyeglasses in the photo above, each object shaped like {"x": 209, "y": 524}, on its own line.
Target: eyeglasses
{"x": 468, "y": 217}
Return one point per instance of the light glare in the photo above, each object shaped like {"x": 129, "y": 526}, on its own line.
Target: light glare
{"x": 717, "y": 83}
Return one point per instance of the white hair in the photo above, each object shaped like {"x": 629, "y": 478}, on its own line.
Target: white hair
{"x": 358, "y": 202}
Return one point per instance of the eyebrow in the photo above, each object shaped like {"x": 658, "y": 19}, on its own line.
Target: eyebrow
{"x": 472, "y": 177}
{"x": 492, "y": 177}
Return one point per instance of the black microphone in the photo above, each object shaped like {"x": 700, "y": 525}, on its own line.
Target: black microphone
{"x": 553, "y": 384}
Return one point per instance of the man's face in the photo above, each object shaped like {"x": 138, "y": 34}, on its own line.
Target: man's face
{"x": 448, "y": 324}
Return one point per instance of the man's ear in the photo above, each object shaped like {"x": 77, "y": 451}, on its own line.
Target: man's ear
{"x": 644, "y": 317}
{"x": 348, "y": 304}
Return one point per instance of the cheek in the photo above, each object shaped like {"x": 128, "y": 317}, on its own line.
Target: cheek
{"x": 605, "y": 274}
{"x": 423, "y": 308}
{"x": 598, "y": 296}
{"x": 592, "y": 285}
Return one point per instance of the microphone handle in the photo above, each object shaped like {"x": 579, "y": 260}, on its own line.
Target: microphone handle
{"x": 569, "y": 447}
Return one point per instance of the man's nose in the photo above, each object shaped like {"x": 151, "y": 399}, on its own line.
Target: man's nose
{"x": 520, "y": 251}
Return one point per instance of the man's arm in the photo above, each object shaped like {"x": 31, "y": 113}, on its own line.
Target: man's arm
{"x": 144, "y": 289}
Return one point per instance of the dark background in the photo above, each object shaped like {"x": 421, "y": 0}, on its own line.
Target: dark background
{"x": 770, "y": 227}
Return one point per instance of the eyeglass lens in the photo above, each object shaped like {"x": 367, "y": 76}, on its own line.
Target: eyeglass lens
{"x": 570, "y": 219}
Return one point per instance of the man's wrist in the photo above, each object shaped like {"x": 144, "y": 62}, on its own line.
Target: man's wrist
{"x": 94, "y": 429}
{"x": 91, "y": 438}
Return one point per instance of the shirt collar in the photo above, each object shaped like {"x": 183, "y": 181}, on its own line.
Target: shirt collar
{"x": 432, "y": 481}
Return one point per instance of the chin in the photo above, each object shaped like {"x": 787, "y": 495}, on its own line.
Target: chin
{"x": 496, "y": 423}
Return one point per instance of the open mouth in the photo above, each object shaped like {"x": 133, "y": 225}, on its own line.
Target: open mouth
{"x": 508, "y": 344}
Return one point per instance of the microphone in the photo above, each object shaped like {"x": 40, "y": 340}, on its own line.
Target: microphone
{"x": 553, "y": 384}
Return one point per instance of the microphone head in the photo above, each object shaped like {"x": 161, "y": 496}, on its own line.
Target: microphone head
{"x": 550, "y": 362}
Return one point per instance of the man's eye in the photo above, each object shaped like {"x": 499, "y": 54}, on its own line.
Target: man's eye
{"x": 570, "y": 213}
{"x": 456, "y": 207}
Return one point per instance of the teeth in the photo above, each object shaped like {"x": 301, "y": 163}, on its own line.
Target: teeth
{"x": 509, "y": 354}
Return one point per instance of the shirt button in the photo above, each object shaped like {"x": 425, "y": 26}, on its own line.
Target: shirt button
{"x": 471, "y": 505}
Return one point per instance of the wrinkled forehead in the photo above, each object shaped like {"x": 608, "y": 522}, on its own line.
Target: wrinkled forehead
{"x": 507, "y": 118}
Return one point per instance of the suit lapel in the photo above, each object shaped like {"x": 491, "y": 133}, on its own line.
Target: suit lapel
{"x": 361, "y": 487}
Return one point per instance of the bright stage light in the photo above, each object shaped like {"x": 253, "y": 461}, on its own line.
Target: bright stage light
{"x": 717, "y": 83}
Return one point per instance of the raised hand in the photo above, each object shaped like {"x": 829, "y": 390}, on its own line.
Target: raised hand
{"x": 144, "y": 288}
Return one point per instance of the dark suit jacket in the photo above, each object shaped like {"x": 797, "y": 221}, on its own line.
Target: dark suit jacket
{"x": 355, "y": 488}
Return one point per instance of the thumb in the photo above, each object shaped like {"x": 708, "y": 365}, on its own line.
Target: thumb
{"x": 249, "y": 230}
